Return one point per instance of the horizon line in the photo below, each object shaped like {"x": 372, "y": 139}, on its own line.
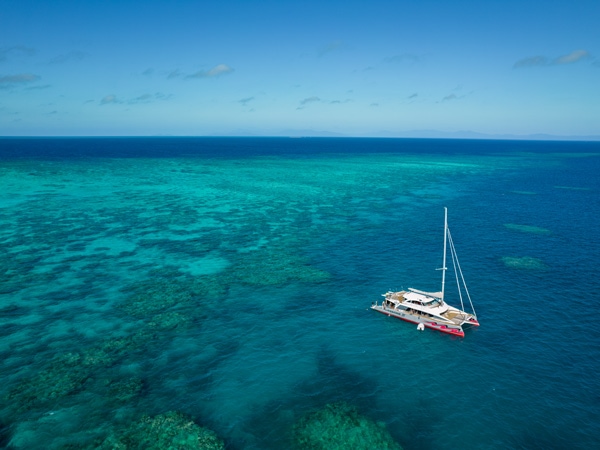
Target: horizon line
{"x": 441, "y": 136}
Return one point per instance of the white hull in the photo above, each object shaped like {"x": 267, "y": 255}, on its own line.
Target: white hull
{"x": 428, "y": 322}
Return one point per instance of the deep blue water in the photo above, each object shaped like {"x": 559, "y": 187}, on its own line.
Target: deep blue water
{"x": 170, "y": 147}
{"x": 230, "y": 279}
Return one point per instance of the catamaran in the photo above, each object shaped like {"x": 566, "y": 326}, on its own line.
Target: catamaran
{"x": 428, "y": 309}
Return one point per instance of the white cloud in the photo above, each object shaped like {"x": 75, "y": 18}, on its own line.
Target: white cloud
{"x": 218, "y": 70}
{"x": 19, "y": 78}
{"x": 245, "y": 101}
{"x": 5, "y": 52}
{"x": 140, "y": 99}
{"x": 572, "y": 57}
{"x": 331, "y": 47}
{"x": 68, "y": 57}
{"x": 543, "y": 61}
{"x": 35, "y": 88}
{"x": 174, "y": 74}
{"x": 310, "y": 100}
{"x": 532, "y": 61}
{"x": 148, "y": 98}
{"x": 108, "y": 99}
{"x": 401, "y": 58}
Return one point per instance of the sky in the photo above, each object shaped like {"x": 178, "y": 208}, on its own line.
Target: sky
{"x": 251, "y": 67}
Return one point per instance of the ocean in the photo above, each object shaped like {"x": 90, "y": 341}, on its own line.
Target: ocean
{"x": 229, "y": 280}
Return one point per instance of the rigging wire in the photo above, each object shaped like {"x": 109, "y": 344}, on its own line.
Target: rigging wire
{"x": 456, "y": 265}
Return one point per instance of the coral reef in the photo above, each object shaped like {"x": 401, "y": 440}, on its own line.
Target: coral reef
{"x": 63, "y": 375}
{"x": 155, "y": 296}
{"x": 172, "y": 430}
{"x": 67, "y": 373}
{"x": 340, "y": 426}
{"x": 152, "y": 301}
{"x": 527, "y": 228}
{"x": 275, "y": 265}
{"x": 167, "y": 289}
{"x": 168, "y": 321}
{"x": 525, "y": 262}
{"x": 125, "y": 390}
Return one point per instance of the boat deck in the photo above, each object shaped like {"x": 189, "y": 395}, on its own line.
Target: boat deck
{"x": 455, "y": 316}
{"x": 452, "y": 315}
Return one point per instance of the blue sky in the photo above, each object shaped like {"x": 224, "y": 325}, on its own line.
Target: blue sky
{"x": 357, "y": 68}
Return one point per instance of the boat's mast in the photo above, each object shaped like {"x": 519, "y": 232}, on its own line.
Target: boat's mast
{"x": 445, "y": 239}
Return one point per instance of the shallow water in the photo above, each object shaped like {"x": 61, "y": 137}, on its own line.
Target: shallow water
{"x": 230, "y": 279}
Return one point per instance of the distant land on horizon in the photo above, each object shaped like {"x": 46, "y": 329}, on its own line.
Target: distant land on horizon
{"x": 475, "y": 135}
{"x": 307, "y": 133}
{"x": 416, "y": 134}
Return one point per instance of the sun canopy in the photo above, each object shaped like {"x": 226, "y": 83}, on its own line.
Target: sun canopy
{"x": 415, "y": 294}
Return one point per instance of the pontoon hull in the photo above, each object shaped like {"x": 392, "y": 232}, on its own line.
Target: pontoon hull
{"x": 455, "y": 330}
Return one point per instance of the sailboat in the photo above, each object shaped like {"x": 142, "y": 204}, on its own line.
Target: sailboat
{"x": 429, "y": 309}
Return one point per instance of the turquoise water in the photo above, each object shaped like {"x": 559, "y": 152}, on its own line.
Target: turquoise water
{"x": 231, "y": 279}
